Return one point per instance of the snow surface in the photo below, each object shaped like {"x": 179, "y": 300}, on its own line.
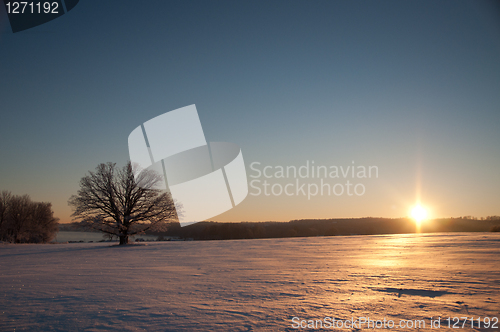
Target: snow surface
{"x": 247, "y": 285}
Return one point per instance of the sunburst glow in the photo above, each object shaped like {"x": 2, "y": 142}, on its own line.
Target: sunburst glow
{"x": 419, "y": 213}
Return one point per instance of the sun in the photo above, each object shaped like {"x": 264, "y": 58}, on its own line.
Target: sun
{"x": 419, "y": 213}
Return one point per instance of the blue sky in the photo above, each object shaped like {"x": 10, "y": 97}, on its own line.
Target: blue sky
{"x": 412, "y": 87}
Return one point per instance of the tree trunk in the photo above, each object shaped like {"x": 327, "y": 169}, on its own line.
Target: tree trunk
{"x": 123, "y": 239}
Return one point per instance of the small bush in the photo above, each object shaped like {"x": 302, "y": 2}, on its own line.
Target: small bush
{"x": 495, "y": 228}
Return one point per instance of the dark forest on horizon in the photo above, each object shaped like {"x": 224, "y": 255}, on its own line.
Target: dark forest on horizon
{"x": 211, "y": 230}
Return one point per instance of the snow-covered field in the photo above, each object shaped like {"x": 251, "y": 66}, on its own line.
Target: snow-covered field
{"x": 249, "y": 284}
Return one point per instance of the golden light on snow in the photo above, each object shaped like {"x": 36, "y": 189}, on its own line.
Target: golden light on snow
{"x": 419, "y": 213}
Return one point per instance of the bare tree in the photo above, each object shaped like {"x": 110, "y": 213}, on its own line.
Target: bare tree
{"x": 5, "y": 198}
{"x": 20, "y": 215}
{"x": 116, "y": 202}
{"x": 45, "y": 226}
{"x": 22, "y": 220}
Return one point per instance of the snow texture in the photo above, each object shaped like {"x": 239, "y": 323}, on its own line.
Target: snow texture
{"x": 247, "y": 285}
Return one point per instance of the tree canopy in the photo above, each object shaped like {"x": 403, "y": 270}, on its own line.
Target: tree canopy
{"x": 123, "y": 202}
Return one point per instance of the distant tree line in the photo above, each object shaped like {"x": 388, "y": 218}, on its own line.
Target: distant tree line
{"x": 25, "y": 221}
{"x": 482, "y": 218}
{"x": 249, "y": 230}
{"x": 208, "y": 230}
